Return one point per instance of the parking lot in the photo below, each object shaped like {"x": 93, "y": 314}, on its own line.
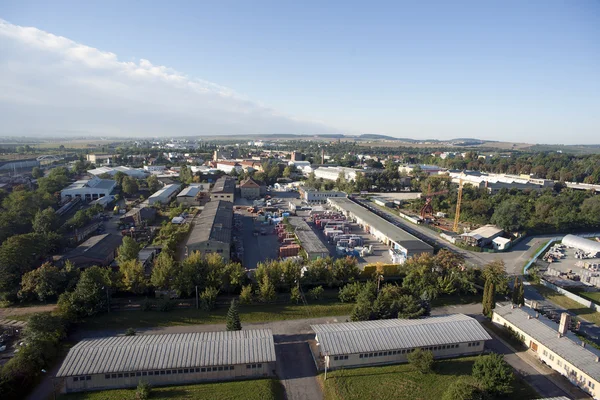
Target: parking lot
{"x": 257, "y": 248}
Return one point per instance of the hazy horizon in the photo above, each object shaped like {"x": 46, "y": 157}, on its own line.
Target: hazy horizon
{"x": 523, "y": 73}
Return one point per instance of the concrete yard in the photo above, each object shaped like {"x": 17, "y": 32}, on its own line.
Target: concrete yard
{"x": 257, "y": 248}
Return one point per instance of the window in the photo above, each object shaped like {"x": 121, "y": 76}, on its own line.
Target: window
{"x": 88, "y": 378}
{"x": 204, "y": 369}
{"x": 107, "y": 376}
{"x": 545, "y": 352}
{"x": 197, "y": 369}
{"x": 220, "y": 368}
{"x": 214, "y": 368}
{"x": 335, "y": 358}
{"x": 186, "y": 371}
{"x": 360, "y": 356}
{"x": 345, "y": 358}
{"x": 180, "y": 371}
{"x": 248, "y": 366}
{"x": 114, "y": 376}
{"x": 138, "y": 374}
{"x": 120, "y": 375}
{"x": 169, "y": 372}
{"x": 126, "y": 375}
{"x": 161, "y": 372}
{"x": 260, "y": 365}
{"x": 144, "y": 373}
{"x": 75, "y": 379}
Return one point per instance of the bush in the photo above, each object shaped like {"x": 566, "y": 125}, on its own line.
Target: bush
{"x": 295, "y": 295}
{"x": 349, "y": 292}
{"x": 316, "y": 292}
{"x": 166, "y": 305}
{"x": 208, "y": 298}
{"x": 130, "y": 332}
{"x": 493, "y": 374}
{"x": 246, "y": 296}
{"x": 422, "y": 360}
{"x": 464, "y": 388}
{"x": 143, "y": 391}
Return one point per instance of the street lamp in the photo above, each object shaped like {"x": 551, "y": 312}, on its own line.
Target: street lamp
{"x": 107, "y": 298}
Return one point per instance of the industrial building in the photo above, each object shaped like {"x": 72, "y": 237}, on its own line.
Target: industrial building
{"x": 168, "y": 359}
{"x": 554, "y": 345}
{"x": 483, "y": 236}
{"x": 212, "y": 230}
{"x": 98, "y": 250}
{"x": 332, "y": 173}
{"x": 590, "y": 247}
{"x": 249, "y": 189}
{"x": 224, "y": 189}
{"x": 98, "y": 159}
{"x": 88, "y": 189}
{"x": 390, "y": 341}
{"x": 196, "y": 194}
{"x": 310, "y": 242}
{"x": 317, "y": 196}
{"x": 18, "y": 165}
{"x": 131, "y": 172}
{"x": 383, "y": 230}
{"x": 229, "y": 166}
{"x": 164, "y": 195}
{"x": 409, "y": 169}
{"x": 493, "y": 183}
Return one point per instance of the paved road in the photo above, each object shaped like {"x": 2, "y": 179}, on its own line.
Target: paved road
{"x": 296, "y": 367}
{"x": 257, "y": 248}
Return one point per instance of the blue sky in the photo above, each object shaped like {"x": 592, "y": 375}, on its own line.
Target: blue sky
{"x": 511, "y": 70}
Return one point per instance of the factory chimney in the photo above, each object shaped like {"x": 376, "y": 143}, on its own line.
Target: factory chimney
{"x": 565, "y": 323}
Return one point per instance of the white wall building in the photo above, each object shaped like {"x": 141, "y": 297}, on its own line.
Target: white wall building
{"x": 88, "y": 189}
{"x": 554, "y": 345}
{"x": 132, "y": 172}
{"x": 332, "y": 173}
{"x": 153, "y": 168}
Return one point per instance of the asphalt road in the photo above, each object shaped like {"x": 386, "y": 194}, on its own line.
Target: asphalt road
{"x": 257, "y": 248}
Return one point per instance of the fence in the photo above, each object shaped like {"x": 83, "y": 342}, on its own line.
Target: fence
{"x": 572, "y": 296}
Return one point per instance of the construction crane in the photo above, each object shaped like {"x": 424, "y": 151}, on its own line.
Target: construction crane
{"x": 427, "y": 209}
{"x": 458, "y": 202}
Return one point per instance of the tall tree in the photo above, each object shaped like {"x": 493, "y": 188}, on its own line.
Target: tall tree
{"x": 515, "y": 291}
{"x": 128, "y": 250}
{"x": 45, "y": 221}
{"x": 44, "y": 283}
{"x": 493, "y": 374}
{"x": 489, "y": 296}
{"x": 153, "y": 183}
{"x": 134, "y": 278}
{"x": 233, "y": 317}
{"x": 163, "y": 272}
{"x": 129, "y": 185}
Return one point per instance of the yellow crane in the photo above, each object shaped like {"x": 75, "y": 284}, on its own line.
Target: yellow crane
{"x": 458, "y": 201}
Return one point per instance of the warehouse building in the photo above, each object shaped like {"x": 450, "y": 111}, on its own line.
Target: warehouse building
{"x": 98, "y": 250}
{"x": 212, "y": 230}
{"x": 554, "y": 345}
{"x": 312, "y": 196}
{"x": 168, "y": 359}
{"x": 249, "y": 189}
{"x": 136, "y": 173}
{"x": 590, "y": 247}
{"x": 483, "y": 236}
{"x": 164, "y": 195}
{"x": 333, "y": 173}
{"x": 310, "y": 242}
{"x": 390, "y": 341}
{"x": 196, "y": 194}
{"x": 88, "y": 189}
{"x": 224, "y": 189}
{"x": 383, "y": 230}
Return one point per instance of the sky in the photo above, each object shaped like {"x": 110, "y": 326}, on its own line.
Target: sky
{"x": 498, "y": 70}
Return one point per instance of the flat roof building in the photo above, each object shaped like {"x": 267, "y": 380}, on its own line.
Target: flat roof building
{"x": 168, "y": 359}
{"x": 554, "y": 345}
{"x": 195, "y": 194}
{"x": 389, "y": 341}
{"x": 164, "y": 195}
{"x": 318, "y": 196}
{"x": 482, "y": 236}
{"x": 137, "y": 173}
{"x": 332, "y": 173}
{"x": 212, "y": 230}
{"x": 224, "y": 189}
{"x": 310, "y": 242}
{"x": 383, "y": 230}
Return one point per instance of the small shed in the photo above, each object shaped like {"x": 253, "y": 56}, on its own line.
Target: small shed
{"x": 501, "y": 243}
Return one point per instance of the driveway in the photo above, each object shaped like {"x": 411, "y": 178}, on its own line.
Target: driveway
{"x": 296, "y": 368}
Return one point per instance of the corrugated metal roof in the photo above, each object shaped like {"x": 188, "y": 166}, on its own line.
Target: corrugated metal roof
{"x": 165, "y": 192}
{"x": 181, "y": 350}
{"x": 391, "y": 334}
{"x": 214, "y": 223}
{"x": 564, "y": 346}
{"x": 224, "y": 184}
{"x": 307, "y": 237}
{"x": 400, "y": 236}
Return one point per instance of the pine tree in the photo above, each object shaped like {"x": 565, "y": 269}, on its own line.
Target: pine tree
{"x": 521, "y": 295}
{"x": 489, "y": 296}
{"x": 233, "y": 317}
{"x": 484, "y": 301}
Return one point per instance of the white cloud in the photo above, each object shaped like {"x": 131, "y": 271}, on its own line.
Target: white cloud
{"x": 52, "y": 85}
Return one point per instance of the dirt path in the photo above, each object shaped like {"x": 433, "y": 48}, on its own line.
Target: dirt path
{"x": 6, "y": 313}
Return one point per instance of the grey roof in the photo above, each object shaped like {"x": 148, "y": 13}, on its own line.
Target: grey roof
{"x": 178, "y": 350}
{"x": 310, "y": 242}
{"x": 214, "y": 223}
{"x": 403, "y": 238}
{"x": 193, "y": 190}
{"x": 166, "y": 192}
{"x": 391, "y": 334}
{"x": 580, "y": 243}
{"x": 96, "y": 247}
{"x": 484, "y": 232}
{"x": 545, "y": 332}
{"x": 224, "y": 184}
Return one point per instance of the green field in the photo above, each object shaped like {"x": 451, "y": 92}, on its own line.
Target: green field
{"x": 262, "y": 389}
{"x": 248, "y": 313}
{"x": 402, "y": 381}
{"x": 579, "y": 309}
{"x": 591, "y": 296}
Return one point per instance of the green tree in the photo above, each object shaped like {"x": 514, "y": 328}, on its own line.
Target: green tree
{"x": 129, "y": 185}
{"x": 128, "y": 250}
{"x": 233, "y": 317}
{"x": 45, "y": 221}
{"x": 208, "y": 298}
{"x": 143, "y": 391}
{"x": 287, "y": 172}
{"x": 185, "y": 175}
{"x": 44, "y": 283}
{"x": 410, "y": 307}
{"x": 317, "y": 292}
{"x": 509, "y": 216}
{"x": 496, "y": 273}
{"x": 421, "y": 360}
{"x": 36, "y": 173}
{"x": 91, "y": 295}
{"x": 163, "y": 272}
{"x": 295, "y": 296}
{"x": 493, "y": 374}
{"x": 489, "y": 298}
{"x": 463, "y": 388}
{"x": 153, "y": 183}
{"x": 266, "y": 290}
{"x": 348, "y": 293}
{"x": 133, "y": 276}
{"x": 119, "y": 177}
{"x": 590, "y": 209}
{"x": 246, "y": 295}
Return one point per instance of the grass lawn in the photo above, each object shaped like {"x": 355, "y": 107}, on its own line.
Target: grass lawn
{"x": 261, "y": 389}
{"x": 571, "y": 305}
{"x": 248, "y": 313}
{"x": 404, "y": 382}
{"x": 591, "y": 296}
